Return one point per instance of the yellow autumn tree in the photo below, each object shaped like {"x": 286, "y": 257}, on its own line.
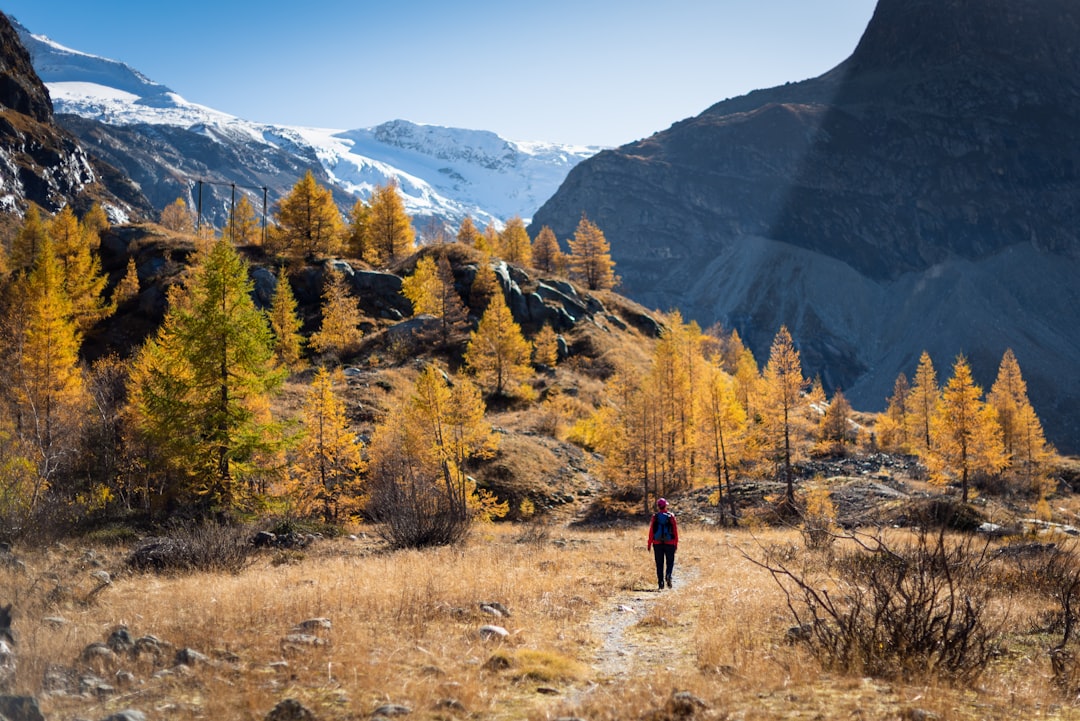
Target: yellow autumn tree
{"x": 326, "y": 467}
{"x": 84, "y": 281}
{"x": 339, "y": 335}
{"x": 922, "y": 407}
{"x": 308, "y": 222}
{"x": 546, "y": 251}
{"x": 177, "y": 218}
{"x": 285, "y": 324}
{"x": 484, "y": 285}
{"x": 467, "y": 232}
{"x": 515, "y": 243}
{"x": 1021, "y": 430}
{"x": 892, "y": 425}
{"x": 590, "y": 257}
{"x": 546, "y": 347}
{"x": 356, "y": 234}
{"x": 964, "y": 433}
{"x": 389, "y": 229}
{"x": 27, "y": 242}
{"x": 498, "y": 354}
{"x": 128, "y": 287}
{"x": 722, "y": 437}
{"x": 423, "y": 287}
{"x": 242, "y": 227}
{"x": 47, "y": 384}
{"x": 783, "y": 424}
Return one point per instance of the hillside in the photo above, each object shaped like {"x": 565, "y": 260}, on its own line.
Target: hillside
{"x": 921, "y": 195}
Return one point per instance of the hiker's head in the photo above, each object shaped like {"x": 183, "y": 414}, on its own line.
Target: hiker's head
{"x": 661, "y": 503}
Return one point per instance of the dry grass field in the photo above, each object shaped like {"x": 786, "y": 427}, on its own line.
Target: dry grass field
{"x": 588, "y": 637}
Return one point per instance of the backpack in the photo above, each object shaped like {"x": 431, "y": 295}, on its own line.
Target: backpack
{"x": 663, "y": 532}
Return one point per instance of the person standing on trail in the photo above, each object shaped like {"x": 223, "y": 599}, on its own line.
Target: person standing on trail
{"x": 663, "y": 540}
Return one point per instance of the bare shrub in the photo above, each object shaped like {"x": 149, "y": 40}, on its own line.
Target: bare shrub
{"x": 411, "y": 509}
{"x": 895, "y": 611}
{"x": 195, "y": 547}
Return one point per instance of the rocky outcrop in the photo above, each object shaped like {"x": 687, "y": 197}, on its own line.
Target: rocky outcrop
{"x": 878, "y": 210}
{"x": 39, "y": 162}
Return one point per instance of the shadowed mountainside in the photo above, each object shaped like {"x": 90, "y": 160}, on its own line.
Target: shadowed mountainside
{"x": 921, "y": 195}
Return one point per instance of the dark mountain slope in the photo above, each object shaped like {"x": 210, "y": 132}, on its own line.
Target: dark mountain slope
{"x": 902, "y": 201}
{"x": 40, "y": 162}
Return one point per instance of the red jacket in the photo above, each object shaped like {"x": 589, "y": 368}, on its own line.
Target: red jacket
{"x": 674, "y": 531}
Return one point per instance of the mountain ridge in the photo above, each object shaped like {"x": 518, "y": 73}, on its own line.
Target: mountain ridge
{"x": 898, "y": 179}
{"x": 444, "y": 173}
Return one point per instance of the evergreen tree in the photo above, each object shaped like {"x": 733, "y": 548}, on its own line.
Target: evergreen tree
{"x": 96, "y": 222}
{"x": 326, "y": 470}
{"x": 390, "y": 232}
{"x": 339, "y": 335}
{"x": 84, "y": 281}
{"x": 177, "y": 218}
{"x": 308, "y": 221}
{"x": 546, "y": 251}
{"x": 590, "y": 257}
{"x": 515, "y": 243}
{"x": 783, "y": 384}
{"x": 200, "y": 387}
{"x": 488, "y": 242}
{"x": 965, "y": 437}
{"x": 451, "y": 312}
{"x": 836, "y": 424}
{"x": 498, "y": 354}
{"x": 285, "y": 324}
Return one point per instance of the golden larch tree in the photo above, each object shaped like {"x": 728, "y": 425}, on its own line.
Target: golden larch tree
{"x": 308, "y": 221}
{"x": 722, "y": 437}
{"x": 467, "y": 233}
{"x": 286, "y": 324}
{"x": 177, "y": 218}
{"x": 46, "y": 379}
{"x": 590, "y": 257}
{"x": 27, "y": 242}
{"x": 390, "y": 233}
{"x": 128, "y": 287}
{"x": 339, "y": 334}
{"x": 498, "y": 354}
{"x": 924, "y": 398}
{"x": 893, "y": 425}
{"x": 515, "y": 243}
{"x": 484, "y": 285}
{"x": 356, "y": 234}
{"x": 782, "y": 422}
{"x": 546, "y": 347}
{"x": 326, "y": 468}
{"x": 242, "y": 227}
{"x": 423, "y": 287}
{"x": 965, "y": 436}
{"x": 1021, "y": 430}
{"x": 546, "y": 251}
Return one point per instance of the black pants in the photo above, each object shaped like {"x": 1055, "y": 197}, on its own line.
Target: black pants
{"x": 663, "y": 552}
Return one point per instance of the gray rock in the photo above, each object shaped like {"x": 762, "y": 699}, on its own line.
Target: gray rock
{"x": 120, "y": 640}
{"x": 20, "y": 708}
{"x": 392, "y": 709}
{"x": 97, "y": 651}
{"x": 493, "y": 632}
{"x": 290, "y": 710}
{"x": 314, "y": 624}
{"x": 126, "y": 715}
{"x": 190, "y": 657}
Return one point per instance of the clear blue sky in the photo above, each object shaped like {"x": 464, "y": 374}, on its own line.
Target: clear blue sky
{"x": 601, "y": 72}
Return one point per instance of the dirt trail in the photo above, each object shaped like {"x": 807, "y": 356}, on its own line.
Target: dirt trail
{"x": 643, "y": 629}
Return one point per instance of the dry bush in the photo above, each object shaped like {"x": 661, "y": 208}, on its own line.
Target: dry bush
{"x": 195, "y": 547}
{"x": 892, "y": 610}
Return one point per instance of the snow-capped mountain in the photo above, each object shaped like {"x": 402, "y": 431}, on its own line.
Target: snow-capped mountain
{"x": 167, "y": 144}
